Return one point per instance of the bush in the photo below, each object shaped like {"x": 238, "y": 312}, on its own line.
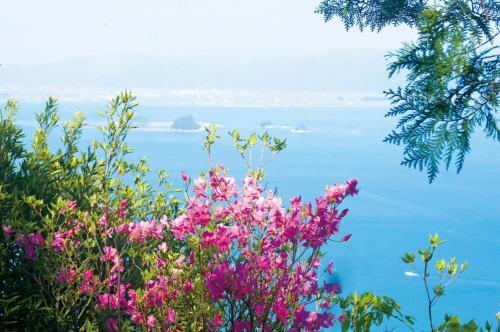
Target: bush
{"x": 88, "y": 244}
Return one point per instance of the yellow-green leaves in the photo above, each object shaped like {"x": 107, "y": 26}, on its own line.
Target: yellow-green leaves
{"x": 246, "y": 147}
{"x": 11, "y": 109}
{"x": 438, "y": 290}
{"x": 408, "y": 258}
{"x": 425, "y": 255}
{"x": 211, "y": 136}
{"x": 452, "y": 266}
{"x": 446, "y": 272}
{"x": 252, "y": 140}
{"x": 440, "y": 265}
{"x": 434, "y": 240}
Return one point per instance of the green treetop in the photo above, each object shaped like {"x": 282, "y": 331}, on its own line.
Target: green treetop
{"x": 452, "y": 73}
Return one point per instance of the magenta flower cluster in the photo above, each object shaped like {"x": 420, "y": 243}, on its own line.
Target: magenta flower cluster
{"x": 238, "y": 255}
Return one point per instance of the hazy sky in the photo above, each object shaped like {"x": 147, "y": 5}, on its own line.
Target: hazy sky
{"x": 192, "y": 40}
{"x": 52, "y": 30}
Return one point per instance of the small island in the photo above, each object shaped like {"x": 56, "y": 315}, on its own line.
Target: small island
{"x": 186, "y": 123}
{"x": 266, "y": 125}
{"x": 300, "y": 129}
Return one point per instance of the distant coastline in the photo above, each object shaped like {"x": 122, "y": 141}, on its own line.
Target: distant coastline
{"x": 201, "y": 97}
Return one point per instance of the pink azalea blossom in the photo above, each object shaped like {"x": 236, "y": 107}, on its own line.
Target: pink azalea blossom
{"x": 346, "y": 238}
{"x": 163, "y": 247}
{"x": 109, "y": 254}
{"x": 242, "y": 326}
{"x": 108, "y": 301}
{"x": 151, "y": 322}
{"x": 235, "y": 243}
{"x": 217, "y": 321}
{"x": 171, "y": 316}
{"x": 329, "y": 268}
{"x": 36, "y": 239}
{"x": 188, "y": 286}
{"x": 281, "y": 310}
{"x": 67, "y": 276}
{"x": 7, "y": 231}
{"x": 184, "y": 177}
{"x": 200, "y": 187}
{"x": 72, "y": 205}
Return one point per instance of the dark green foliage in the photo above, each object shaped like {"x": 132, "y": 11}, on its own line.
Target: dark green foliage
{"x": 35, "y": 182}
{"x": 375, "y": 14}
{"x": 452, "y": 72}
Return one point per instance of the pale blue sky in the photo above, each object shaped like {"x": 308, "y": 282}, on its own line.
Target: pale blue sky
{"x": 280, "y": 44}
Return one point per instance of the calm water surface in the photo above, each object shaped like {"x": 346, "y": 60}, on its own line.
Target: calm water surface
{"x": 395, "y": 211}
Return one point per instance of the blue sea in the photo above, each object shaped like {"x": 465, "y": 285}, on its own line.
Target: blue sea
{"x": 396, "y": 208}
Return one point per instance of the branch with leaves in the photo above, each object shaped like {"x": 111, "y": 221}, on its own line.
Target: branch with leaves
{"x": 452, "y": 74}
{"x": 446, "y": 272}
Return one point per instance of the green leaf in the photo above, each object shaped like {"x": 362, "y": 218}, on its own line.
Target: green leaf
{"x": 408, "y": 258}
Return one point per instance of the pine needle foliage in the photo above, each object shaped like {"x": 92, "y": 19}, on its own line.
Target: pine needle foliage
{"x": 372, "y": 14}
{"x": 452, "y": 74}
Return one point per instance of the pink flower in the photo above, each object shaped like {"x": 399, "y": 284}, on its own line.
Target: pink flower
{"x": 188, "y": 286}
{"x": 325, "y": 305}
{"x": 220, "y": 239}
{"x": 7, "y": 231}
{"x": 336, "y": 193}
{"x": 163, "y": 247}
{"x": 184, "y": 176}
{"x": 346, "y": 238}
{"x": 72, "y": 205}
{"x": 108, "y": 301}
{"x": 109, "y": 254}
{"x": 329, "y": 268}
{"x": 223, "y": 187}
{"x": 59, "y": 243}
{"x": 181, "y": 227}
{"x": 122, "y": 211}
{"x": 151, "y": 322}
{"x": 117, "y": 266}
{"x": 139, "y": 232}
{"x": 67, "y": 276}
{"x": 217, "y": 321}
{"x": 351, "y": 187}
{"x": 103, "y": 221}
{"x": 87, "y": 284}
{"x": 171, "y": 316}
{"x": 200, "y": 187}
{"x": 242, "y": 326}
{"x": 37, "y": 239}
{"x": 161, "y": 262}
{"x": 244, "y": 239}
{"x": 259, "y": 309}
{"x": 331, "y": 287}
{"x": 281, "y": 310}
{"x": 123, "y": 203}
{"x": 180, "y": 260}
{"x": 28, "y": 246}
